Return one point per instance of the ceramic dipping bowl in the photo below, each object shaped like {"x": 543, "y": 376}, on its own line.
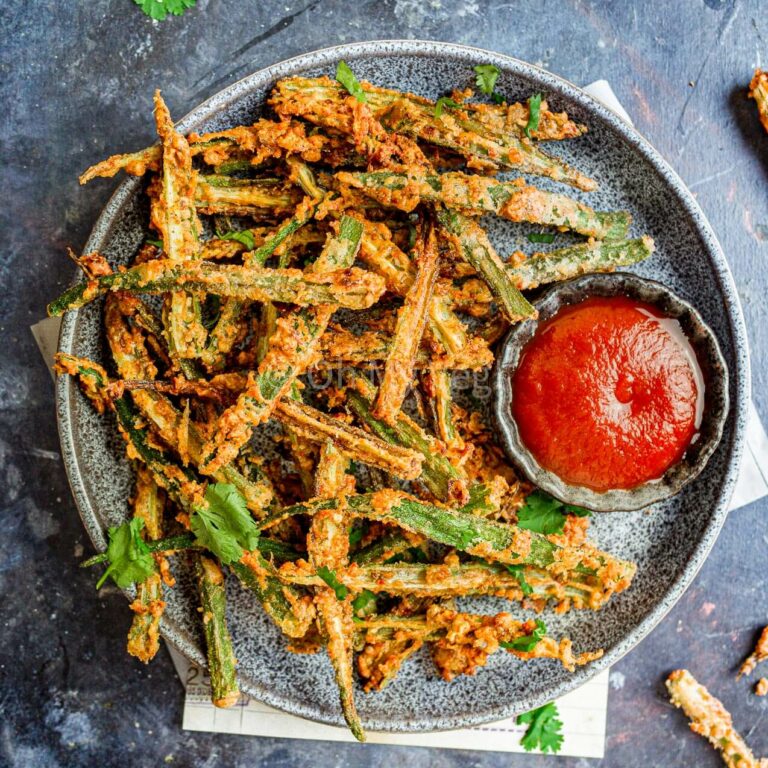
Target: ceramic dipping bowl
{"x": 711, "y": 362}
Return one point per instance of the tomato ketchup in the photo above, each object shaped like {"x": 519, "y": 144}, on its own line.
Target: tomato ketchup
{"x": 608, "y": 393}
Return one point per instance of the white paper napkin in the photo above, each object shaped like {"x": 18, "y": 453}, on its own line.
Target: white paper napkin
{"x": 583, "y": 711}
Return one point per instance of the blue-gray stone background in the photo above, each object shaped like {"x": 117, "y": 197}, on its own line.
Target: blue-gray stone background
{"x": 77, "y": 79}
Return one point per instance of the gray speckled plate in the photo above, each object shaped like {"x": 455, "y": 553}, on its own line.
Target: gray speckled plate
{"x": 669, "y": 544}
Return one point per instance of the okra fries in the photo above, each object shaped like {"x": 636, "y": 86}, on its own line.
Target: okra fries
{"x": 325, "y": 271}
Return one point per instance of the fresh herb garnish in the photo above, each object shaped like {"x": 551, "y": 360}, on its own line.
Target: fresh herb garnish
{"x": 364, "y": 604}
{"x": 541, "y": 237}
{"x": 347, "y": 78}
{"x": 159, "y": 9}
{"x": 572, "y": 509}
{"x": 225, "y": 526}
{"x": 443, "y": 102}
{"x": 244, "y": 237}
{"x": 518, "y": 571}
{"x": 130, "y": 560}
{"x": 534, "y": 114}
{"x": 329, "y": 577}
{"x": 527, "y": 643}
{"x": 543, "y": 514}
{"x": 156, "y": 243}
{"x": 544, "y": 729}
{"x": 486, "y": 77}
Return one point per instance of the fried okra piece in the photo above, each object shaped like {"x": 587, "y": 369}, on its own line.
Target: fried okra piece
{"x": 758, "y": 90}
{"x": 148, "y": 607}
{"x": 411, "y": 322}
{"x": 710, "y": 719}
{"x": 758, "y": 655}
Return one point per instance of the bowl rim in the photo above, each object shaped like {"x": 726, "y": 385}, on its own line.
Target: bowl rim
{"x": 571, "y": 293}
{"x": 324, "y": 57}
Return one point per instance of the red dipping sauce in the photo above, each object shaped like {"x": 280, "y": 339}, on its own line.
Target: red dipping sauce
{"x": 608, "y": 393}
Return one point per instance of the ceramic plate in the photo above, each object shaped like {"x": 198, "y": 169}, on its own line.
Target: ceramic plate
{"x": 669, "y": 543}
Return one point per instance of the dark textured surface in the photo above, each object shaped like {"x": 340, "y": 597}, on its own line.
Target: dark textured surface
{"x": 77, "y": 81}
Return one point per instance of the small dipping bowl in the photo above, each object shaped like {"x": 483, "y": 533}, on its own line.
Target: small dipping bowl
{"x": 710, "y": 359}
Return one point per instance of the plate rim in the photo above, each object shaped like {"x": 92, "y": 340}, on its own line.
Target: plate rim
{"x": 66, "y": 388}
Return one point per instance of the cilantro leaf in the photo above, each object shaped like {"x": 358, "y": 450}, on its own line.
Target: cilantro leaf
{"x": 445, "y": 101}
{"x": 329, "y": 577}
{"x": 347, "y": 78}
{"x": 542, "y": 514}
{"x": 519, "y": 573}
{"x": 541, "y": 237}
{"x": 156, "y": 243}
{"x": 364, "y": 604}
{"x": 534, "y": 114}
{"x": 225, "y": 525}
{"x": 130, "y": 560}
{"x": 572, "y": 509}
{"x": 544, "y": 729}
{"x": 159, "y": 9}
{"x": 486, "y": 77}
{"x": 527, "y": 643}
{"x": 245, "y": 237}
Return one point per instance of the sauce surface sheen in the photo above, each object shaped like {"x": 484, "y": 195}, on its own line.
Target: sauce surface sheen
{"x": 608, "y": 393}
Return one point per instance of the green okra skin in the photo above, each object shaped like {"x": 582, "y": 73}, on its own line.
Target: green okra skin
{"x": 465, "y": 531}
{"x": 221, "y": 656}
{"x": 144, "y": 634}
{"x": 352, "y": 288}
{"x": 507, "y": 199}
{"x": 299, "y": 330}
{"x": 159, "y": 410}
{"x": 353, "y": 442}
{"x": 273, "y": 596}
{"x": 389, "y": 545}
{"x": 166, "y": 544}
{"x": 471, "y": 242}
{"x": 565, "y": 263}
{"x": 144, "y": 159}
{"x": 467, "y": 137}
{"x": 340, "y": 250}
{"x": 436, "y": 382}
{"x": 469, "y": 532}
{"x": 222, "y": 192}
{"x": 442, "y": 479}
{"x": 327, "y": 547}
{"x": 168, "y": 475}
{"x": 275, "y": 548}
{"x": 384, "y": 258}
{"x": 174, "y": 212}
{"x": 455, "y": 130}
{"x": 305, "y": 212}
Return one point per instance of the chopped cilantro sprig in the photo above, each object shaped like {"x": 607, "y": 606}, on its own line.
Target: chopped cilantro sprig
{"x": 486, "y": 76}
{"x": 330, "y": 578}
{"x": 527, "y": 643}
{"x": 224, "y": 526}
{"x": 543, "y": 514}
{"x": 347, "y": 78}
{"x": 159, "y": 9}
{"x": 244, "y": 237}
{"x": 544, "y": 729}
{"x": 534, "y": 114}
{"x": 443, "y": 102}
{"x": 130, "y": 560}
